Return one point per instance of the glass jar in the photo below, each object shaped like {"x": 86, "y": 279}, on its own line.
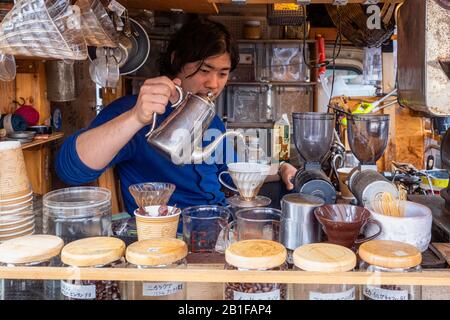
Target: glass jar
{"x": 252, "y": 29}
{"x": 29, "y": 251}
{"x": 324, "y": 257}
{"x": 77, "y": 212}
{"x": 260, "y": 255}
{"x": 389, "y": 256}
{"x": 94, "y": 252}
{"x": 163, "y": 253}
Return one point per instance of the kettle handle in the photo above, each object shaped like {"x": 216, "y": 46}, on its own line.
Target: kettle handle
{"x": 176, "y": 104}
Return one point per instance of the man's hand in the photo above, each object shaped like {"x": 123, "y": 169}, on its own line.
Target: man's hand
{"x": 287, "y": 172}
{"x": 154, "y": 96}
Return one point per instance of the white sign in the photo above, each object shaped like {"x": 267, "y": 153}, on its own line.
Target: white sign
{"x": 376, "y": 293}
{"x": 157, "y": 289}
{"x": 272, "y": 295}
{"x": 76, "y": 291}
{"x": 344, "y": 295}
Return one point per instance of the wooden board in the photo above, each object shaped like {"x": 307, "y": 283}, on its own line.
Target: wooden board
{"x": 295, "y": 1}
{"x": 197, "y": 6}
{"x": 444, "y": 249}
{"x": 7, "y": 96}
{"x": 37, "y": 164}
{"x": 37, "y": 142}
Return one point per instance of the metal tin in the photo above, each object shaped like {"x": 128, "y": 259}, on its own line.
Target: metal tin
{"x": 298, "y": 224}
{"x": 316, "y": 183}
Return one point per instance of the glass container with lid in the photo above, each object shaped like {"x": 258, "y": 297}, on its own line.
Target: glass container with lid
{"x": 324, "y": 257}
{"x": 77, "y": 212}
{"x": 160, "y": 253}
{"x": 29, "y": 251}
{"x": 390, "y": 256}
{"x": 95, "y": 252}
{"x": 255, "y": 255}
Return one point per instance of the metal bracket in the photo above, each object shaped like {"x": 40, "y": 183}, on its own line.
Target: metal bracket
{"x": 340, "y": 2}
{"x": 303, "y": 2}
{"x": 371, "y": 2}
{"x": 239, "y": 2}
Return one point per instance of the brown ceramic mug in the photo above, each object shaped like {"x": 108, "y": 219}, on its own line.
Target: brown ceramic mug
{"x": 343, "y": 223}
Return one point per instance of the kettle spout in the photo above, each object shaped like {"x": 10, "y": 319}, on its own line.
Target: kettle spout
{"x": 200, "y": 154}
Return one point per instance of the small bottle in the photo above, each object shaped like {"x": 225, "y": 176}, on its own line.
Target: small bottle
{"x": 281, "y": 139}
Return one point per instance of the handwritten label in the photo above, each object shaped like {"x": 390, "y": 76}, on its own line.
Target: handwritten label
{"x": 157, "y": 289}
{"x": 76, "y": 291}
{"x": 344, "y": 295}
{"x": 376, "y": 293}
{"x": 272, "y": 295}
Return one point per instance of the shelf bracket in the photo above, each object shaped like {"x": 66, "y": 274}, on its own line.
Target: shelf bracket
{"x": 303, "y": 2}
{"x": 239, "y": 2}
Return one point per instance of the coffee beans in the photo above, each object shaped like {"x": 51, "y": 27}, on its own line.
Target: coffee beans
{"x": 233, "y": 290}
{"x": 79, "y": 290}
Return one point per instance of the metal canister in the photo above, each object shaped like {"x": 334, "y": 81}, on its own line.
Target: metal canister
{"x": 315, "y": 182}
{"x": 366, "y": 185}
{"x": 61, "y": 83}
{"x": 298, "y": 223}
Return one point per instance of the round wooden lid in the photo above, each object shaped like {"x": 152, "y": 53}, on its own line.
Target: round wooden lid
{"x": 28, "y": 249}
{"x": 92, "y": 251}
{"x": 256, "y": 254}
{"x": 324, "y": 257}
{"x": 390, "y": 254}
{"x": 155, "y": 252}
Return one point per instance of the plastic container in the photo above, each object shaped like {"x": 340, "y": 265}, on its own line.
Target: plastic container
{"x": 281, "y": 139}
{"x": 163, "y": 253}
{"x": 77, "y": 212}
{"x": 262, "y": 255}
{"x": 324, "y": 257}
{"x": 94, "y": 252}
{"x": 30, "y": 251}
{"x": 389, "y": 256}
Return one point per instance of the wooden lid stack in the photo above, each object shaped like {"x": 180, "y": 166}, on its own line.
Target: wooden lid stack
{"x": 16, "y": 196}
{"x": 94, "y": 251}
{"x": 324, "y": 257}
{"x": 256, "y": 254}
{"x": 155, "y": 252}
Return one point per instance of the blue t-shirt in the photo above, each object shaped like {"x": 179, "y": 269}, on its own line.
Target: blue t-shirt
{"x": 137, "y": 161}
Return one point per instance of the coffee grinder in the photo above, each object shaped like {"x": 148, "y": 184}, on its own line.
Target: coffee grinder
{"x": 368, "y": 136}
{"x": 313, "y": 137}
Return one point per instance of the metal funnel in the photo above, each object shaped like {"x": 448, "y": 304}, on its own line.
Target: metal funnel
{"x": 151, "y": 193}
{"x": 248, "y": 177}
{"x": 313, "y": 134}
{"x": 368, "y": 136}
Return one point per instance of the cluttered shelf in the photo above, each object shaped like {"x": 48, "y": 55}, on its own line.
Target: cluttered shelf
{"x": 272, "y": 83}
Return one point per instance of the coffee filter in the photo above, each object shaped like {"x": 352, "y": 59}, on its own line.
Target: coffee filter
{"x": 151, "y": 193}
{"x": 248, "y": 178}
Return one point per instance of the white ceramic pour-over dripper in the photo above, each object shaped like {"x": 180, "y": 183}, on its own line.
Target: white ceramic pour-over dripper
{"x": 248, "y": 178}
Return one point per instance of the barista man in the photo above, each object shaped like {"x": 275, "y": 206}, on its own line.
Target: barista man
{"x": 199, "y": 58}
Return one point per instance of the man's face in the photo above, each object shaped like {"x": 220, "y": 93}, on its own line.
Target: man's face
{"x": 212, "y": 75}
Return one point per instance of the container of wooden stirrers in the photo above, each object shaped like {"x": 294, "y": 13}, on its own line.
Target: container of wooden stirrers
{"x": 410, "y": 223}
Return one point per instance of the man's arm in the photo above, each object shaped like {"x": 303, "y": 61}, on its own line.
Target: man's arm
{"x": 98, "y": 146}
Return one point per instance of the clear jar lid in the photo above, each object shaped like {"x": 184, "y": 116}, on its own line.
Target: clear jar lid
{"x": 155, "y": 252}
{"x": 390, "y": 254}
{"x": 29, "y": 249}
{"x": 324, "y": 257}
{"x": 256, "y": 254}
{"x": 77, "y": 198}
{"x": 93, "y": 251}
{"x": 252, "y": 23}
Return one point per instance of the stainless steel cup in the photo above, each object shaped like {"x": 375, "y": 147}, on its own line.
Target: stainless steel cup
{"x": 298, "y": 223}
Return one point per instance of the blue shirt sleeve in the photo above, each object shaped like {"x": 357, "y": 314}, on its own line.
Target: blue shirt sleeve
{"x": 69, "y": 166}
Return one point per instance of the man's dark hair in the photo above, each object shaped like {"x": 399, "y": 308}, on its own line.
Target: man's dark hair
{"x": 198, "y": 40}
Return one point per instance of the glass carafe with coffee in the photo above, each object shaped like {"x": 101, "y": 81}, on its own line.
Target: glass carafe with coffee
{"x": 313, "y": 138}
{"x": 368, "y": 136}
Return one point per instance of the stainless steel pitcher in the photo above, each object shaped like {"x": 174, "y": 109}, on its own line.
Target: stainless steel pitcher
{"x": 180, "y": 135}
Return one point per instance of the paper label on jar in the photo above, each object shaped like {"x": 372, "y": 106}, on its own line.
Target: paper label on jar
{"x": 76, "y": 291}
{"x": 376, "y": 293}
{"x": 157, "y": 289}
{"x": 272, "y": 295}
{"x": 344, "y": 295}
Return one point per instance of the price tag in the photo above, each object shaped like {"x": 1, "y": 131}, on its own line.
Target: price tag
{"x": 157, "y": 289}
{"x": 116, "y": 7}
{"x": 376, "y": 293}
{"x": 272, "y": 295}
{"x": 344, "y": 295}
{"x": 285, "y": 6}
{"x": 75, "y": 291}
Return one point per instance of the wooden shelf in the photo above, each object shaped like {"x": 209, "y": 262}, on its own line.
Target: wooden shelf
{"x": 272, "y": 83}
{"x": 249, "y": 125}
{"x": 294, "y": 1}
{"x": 275, "y": 41}
{"x": 37, "y": 142}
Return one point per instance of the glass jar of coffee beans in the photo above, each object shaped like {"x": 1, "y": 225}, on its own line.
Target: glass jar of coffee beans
{"x": 389, "y": 256}
{"x": 255, "y": 255}
{"x": 94, "y": 252}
